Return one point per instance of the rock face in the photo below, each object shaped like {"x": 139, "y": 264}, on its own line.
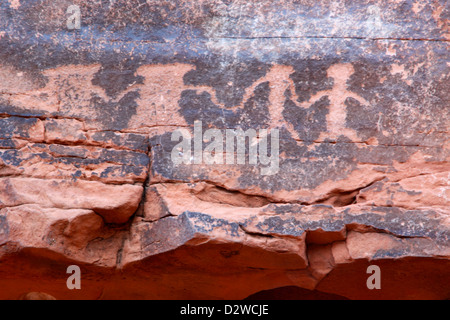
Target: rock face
{"x": 358, "y": 92}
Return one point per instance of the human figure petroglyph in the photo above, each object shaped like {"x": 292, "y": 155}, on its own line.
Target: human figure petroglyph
{"x": 280, "y": 81}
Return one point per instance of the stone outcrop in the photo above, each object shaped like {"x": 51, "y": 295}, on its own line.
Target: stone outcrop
{"x": 358, "y": 91}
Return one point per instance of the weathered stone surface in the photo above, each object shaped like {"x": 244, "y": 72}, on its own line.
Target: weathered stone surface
{"x": 115, "y": 203}
{"x": 357, "y": 89}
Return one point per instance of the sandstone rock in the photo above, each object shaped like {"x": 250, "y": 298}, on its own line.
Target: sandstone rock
{"x": 358, "y": 92}
{"x": 422, "y": 191}
{"x": 36, "y": 296}
{"x": 115, "y": 203}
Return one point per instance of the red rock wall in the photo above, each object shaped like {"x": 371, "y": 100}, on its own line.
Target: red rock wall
{"x": 358, "y": 92}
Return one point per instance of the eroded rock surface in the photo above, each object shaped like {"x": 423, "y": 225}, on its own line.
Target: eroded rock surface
{"x": 358, "y": 90}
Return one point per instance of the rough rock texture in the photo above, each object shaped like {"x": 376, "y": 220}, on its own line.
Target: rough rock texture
{"x": 359, "y": 91}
